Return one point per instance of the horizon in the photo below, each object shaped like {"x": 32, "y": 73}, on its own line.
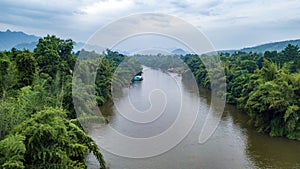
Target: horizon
{"x": 161, "y": 49}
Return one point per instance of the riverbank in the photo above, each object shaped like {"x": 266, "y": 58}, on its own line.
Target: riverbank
{"x": 235, "y": 144}
{"x": 270, "y": 94}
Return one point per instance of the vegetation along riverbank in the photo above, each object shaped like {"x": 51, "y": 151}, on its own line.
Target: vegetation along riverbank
{"x": 39, "y": 126}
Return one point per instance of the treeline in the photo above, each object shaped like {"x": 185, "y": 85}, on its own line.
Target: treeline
{"x": 38, "y": 123}
{"x": 112, "y": 70}
{"x": 266, "y": 86}
{"x": 161, "y": 61}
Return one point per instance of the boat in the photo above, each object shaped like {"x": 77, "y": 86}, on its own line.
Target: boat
{"x": 137, "y": 77}
{"x": 172, "y": 69}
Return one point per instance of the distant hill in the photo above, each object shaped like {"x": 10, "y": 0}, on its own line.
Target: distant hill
{"x": 9, "y": 39}
{"x": 20, "y": 40}
{"x": 278, "y": 46}
{"x": 30, "y": 46}
{"x": 179, "y": 52}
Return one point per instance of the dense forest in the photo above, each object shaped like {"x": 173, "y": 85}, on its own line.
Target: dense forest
{"x": 160, "y": 61}
{"x": 38, "y": 123}
{"x": 40, "y": 128}
{"x": 265, "y": 86}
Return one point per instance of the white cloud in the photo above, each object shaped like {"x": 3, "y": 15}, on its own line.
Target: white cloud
{"x": 107, "y": 7}
{"x": 98, "y": 13}
{"x": 223, "y": 20}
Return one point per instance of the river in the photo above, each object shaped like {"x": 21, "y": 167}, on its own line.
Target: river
{"x": 235, "y": 144}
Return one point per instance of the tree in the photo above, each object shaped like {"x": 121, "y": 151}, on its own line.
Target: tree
{"x": 266, "y": 86}
{"x": 235, "y": 87}
{"x": 266, "y": 106}
{"x": 290, "y": 53}
{"x": 55, "y": 55}
{"x": 8, "y": 78}
{"x": 56, "y": 64}
{"x": 249, "y": 65}
{"x": 103, "y": 81}
{"x": 12, "y": 152}
{"x": 52, "y": 141}
{"x": 292, "y": 121}
{"x": 26, "y": 66}
{"x": 35, "y": 129}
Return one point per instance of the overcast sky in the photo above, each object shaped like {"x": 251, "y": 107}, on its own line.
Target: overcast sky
{"x": 229, "y": 24}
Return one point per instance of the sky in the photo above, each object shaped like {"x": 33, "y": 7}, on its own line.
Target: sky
{"x": 228, "y": 24}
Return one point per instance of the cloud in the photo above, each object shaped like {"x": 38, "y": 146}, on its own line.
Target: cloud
{"x": 36, "y": 17}
{"x": 98, "y": 13}
{"x": 107, "y": 7}
{"x": 227, "y": 22}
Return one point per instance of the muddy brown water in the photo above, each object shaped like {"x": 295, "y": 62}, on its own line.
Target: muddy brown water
{"x": 234, "y": 145}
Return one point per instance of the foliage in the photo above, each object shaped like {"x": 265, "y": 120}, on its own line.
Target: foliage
{"x": 52, "y": 141}
{"x": 37, "y": 111}
{"x": 8, "y": 78}
{"x": 110, "y": 67}
{"x": 54, "y": 55}
{"x": 161, "y": 61}
{"x": 12, "y": 152}
{"x": 266, "y": 86}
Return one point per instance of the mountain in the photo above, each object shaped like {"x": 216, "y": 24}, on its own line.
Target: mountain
{"x": 9, "y": 39}
{"x": 179, "y": 52}
{"x": 21, "y": 40}
{"x": 30, "y": 46}
{"x": 278, "y": 46}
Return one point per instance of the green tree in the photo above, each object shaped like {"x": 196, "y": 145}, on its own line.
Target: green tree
{"x": 55, "y": 55}
{"x": 8, "y": 78}
{"x": 103, "y": 81}
{"x": 249, "y": 65}
{"x": 26, "y": 65}
{"x": 12, "y": 152}
{"x": 52, "y": 141}
{"x": 291, "y": 52}
{"x": 266, "y": 86}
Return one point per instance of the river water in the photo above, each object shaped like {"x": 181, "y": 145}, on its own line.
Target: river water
{"x": 235, "y": 144}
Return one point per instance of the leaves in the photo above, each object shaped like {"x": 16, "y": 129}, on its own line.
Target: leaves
{"x": 12, "y": 152}
{"x": 51, "y": 138}
{"x": 36, "y": 106}
{"x": 266, "y": 87}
